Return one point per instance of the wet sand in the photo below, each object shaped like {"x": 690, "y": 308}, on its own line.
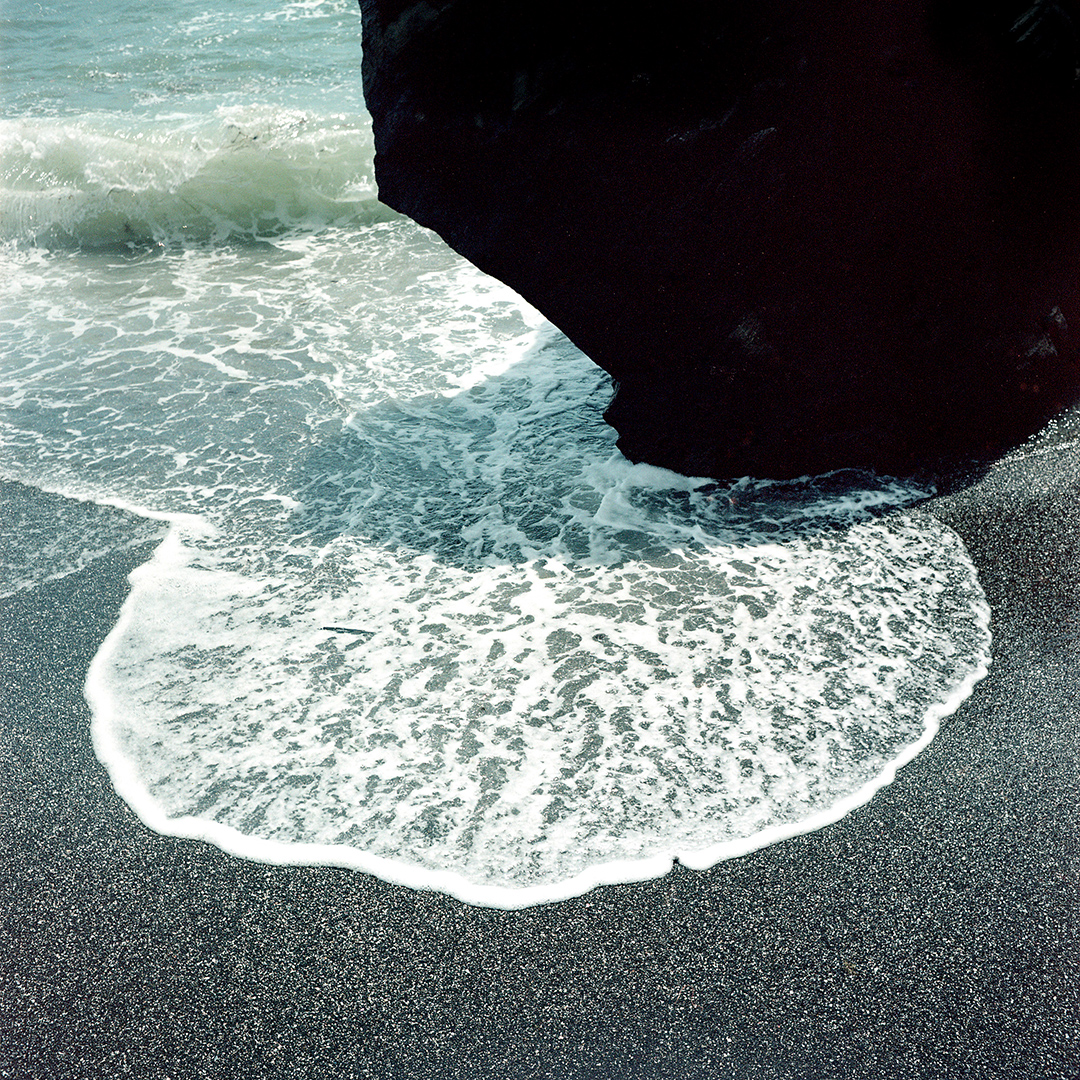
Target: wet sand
{"x": 934, "y": 932}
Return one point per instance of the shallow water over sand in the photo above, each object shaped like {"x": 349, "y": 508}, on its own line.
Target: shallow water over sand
{"x": 412, "y": 612}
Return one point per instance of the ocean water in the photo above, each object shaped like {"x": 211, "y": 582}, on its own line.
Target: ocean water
{"x": 408, "y": 610}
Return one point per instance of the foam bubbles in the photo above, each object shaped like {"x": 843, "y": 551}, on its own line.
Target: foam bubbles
{"x": 420, "y": 617}
{"x": 244, "y": 171}
{"x": 492, "y": 654}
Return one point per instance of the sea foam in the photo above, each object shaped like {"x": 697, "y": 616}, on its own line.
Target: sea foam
{"x": 415, "y": 614}
{"x": 492, "y": 657}
{"x": 241, "y": 172}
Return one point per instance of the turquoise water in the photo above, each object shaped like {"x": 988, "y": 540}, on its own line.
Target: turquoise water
{"x": 149, "y": 60}
{"x": 410, "y": 610}
{"x": 155, "y": 123}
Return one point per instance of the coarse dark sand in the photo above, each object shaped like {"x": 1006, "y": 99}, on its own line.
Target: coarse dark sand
{"x": 935, "y": 932}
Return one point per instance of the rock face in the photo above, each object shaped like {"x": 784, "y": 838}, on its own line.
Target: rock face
{"x": 799, "y": 235}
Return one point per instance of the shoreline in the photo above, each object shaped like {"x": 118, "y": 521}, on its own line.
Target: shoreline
{"x": 931, "y": 932}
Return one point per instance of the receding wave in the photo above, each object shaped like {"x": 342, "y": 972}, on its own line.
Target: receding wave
{"x": 661, "y": 674}
{"x": 240, "y": 173}
{"x": 420, "y": 617}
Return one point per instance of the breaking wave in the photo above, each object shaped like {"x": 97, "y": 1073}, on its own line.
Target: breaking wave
{"x": 241, "y": 173}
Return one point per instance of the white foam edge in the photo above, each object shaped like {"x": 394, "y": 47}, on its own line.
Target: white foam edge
{"x": 179, "y": 523}
{"x": 623, "y": 871}
{"x": 191, "y": 524}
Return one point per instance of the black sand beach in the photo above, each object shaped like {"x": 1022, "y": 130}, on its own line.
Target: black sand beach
{"x": 932, "y": 933}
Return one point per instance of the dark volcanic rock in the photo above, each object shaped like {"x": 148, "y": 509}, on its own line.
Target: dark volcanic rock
{"x": 798, "y": 235}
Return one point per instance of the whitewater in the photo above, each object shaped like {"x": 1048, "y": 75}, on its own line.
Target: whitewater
{"x": 408, "y": 610}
